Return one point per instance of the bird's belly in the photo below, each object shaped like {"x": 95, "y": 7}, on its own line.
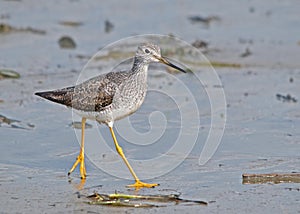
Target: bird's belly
{"x": 126, "y": 110}
{"x": 91, "y": 115}
{"x": 112, "y": 113}
{"x": 104, "y": 116}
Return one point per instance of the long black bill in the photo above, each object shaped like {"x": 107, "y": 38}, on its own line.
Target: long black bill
{"x": 163, "y": 60}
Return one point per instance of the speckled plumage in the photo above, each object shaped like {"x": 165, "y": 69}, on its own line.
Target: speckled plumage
{"x": 92, "y": 95}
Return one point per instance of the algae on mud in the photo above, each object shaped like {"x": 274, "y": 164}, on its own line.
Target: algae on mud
{"x": 139, "y": 201}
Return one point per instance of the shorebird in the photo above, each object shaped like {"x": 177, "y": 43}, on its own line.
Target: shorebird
{"x": 110, "y": 97}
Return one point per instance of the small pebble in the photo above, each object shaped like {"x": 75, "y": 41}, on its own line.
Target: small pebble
{"x": 66, "y": 42}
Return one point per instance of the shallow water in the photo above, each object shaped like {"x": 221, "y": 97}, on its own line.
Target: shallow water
{"x": 262, "y": 132}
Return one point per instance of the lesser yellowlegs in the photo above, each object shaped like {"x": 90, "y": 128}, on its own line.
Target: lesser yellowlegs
{"x": 110, "y": 97}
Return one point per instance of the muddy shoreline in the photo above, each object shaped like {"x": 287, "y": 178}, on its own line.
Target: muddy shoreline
{"x": 255, "y": 48}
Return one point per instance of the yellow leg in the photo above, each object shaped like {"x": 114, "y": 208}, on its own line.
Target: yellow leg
{"x": 80, "y": 158}
{"x": 138, "y": 183}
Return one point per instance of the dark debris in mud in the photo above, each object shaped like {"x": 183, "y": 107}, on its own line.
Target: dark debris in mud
{"x": 286, "y": 98}
{"x": 109, "y": 26}
{"x": 246, "y": 53}
{"x": 204, "y": 20}
{"x": 200, "y": 44}
{"x": 12, "y": 123}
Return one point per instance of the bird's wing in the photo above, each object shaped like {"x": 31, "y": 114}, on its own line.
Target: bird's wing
{"x": 92, "y": 95}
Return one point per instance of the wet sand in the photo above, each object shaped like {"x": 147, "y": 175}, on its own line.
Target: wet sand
{"x": 262, "y": 130}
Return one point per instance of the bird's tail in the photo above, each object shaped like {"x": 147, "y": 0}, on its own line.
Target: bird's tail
{"x": 62, "y": 96}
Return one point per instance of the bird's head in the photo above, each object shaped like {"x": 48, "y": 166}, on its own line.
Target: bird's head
{"x": 151, "y": 53}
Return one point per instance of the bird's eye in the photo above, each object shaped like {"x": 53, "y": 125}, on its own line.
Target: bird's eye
{"x": 147, "y": 51}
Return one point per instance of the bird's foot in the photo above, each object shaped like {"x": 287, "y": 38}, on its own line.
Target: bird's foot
{"x": 139, "y": 184}
{"x": 80, "y": 159}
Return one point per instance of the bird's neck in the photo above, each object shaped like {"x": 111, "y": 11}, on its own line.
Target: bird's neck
{"x": 140, "y": 65}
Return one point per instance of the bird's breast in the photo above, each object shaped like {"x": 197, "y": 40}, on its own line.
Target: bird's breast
{"x": 129, "y": 97}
